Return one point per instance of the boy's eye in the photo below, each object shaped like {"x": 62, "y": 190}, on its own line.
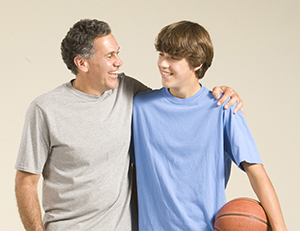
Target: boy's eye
{"x": 175, "y": 58}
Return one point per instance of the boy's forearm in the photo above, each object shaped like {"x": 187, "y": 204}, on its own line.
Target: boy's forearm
{"x": 266, "y": 194}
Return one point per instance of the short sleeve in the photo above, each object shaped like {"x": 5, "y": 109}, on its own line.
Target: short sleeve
{"x": 35, "y": 141}
{"x": 239, "y": 143}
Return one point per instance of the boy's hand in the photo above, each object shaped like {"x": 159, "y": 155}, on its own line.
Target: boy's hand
{"x": 227, "y": 93}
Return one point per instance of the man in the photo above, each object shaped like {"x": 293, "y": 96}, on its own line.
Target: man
{"x": 77, "y": 136}
{"x": 184, "y": 144}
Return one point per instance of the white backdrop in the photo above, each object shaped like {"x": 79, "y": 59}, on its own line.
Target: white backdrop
{"x": 257, "y": 52}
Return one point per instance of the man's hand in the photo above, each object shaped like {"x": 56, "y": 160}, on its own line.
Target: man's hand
{"x": 227, "y": 93}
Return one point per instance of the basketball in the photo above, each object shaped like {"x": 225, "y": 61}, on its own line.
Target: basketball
{"x": 241, "y": 214}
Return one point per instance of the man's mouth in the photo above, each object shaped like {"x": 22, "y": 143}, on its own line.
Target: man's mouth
{"x": 114, "y": 73}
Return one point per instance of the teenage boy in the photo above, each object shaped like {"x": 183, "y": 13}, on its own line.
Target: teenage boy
{"x": 184, "y": 144}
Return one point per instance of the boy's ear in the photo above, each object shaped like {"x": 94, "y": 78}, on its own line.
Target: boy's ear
{"x": 197, "y": 68}
{"x": 81, "y": 63}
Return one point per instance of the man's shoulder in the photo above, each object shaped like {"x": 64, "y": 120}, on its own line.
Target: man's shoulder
{"x": 53, "y": 96}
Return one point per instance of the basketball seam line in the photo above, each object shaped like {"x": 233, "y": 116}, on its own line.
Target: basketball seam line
{"x": 242, "y": 215}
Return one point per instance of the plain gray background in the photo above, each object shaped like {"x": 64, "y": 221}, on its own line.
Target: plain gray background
{"x": 257, "y": 47}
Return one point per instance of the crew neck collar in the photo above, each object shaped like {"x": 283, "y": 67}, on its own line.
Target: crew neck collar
{"x": 86, "y": 96}
{"x": 184, "y": 101}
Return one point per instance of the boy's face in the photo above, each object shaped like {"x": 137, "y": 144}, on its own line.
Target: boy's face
{"x": 177, "y": 75}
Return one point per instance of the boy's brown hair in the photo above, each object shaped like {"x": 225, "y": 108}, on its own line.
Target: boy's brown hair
{"x": 188, "y": 40}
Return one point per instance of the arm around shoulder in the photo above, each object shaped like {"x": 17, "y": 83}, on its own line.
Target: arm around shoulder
{"x": 228, "y": 92}
{"x": 27, "y": 200}
{"x": 265, "y": 192}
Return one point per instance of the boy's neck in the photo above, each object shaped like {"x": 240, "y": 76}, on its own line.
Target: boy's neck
{"x": 185, "y": 92}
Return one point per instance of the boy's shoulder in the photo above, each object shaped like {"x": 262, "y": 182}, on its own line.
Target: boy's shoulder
{"x": 149, "y": 95}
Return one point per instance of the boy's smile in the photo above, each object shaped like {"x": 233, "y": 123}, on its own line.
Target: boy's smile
{"x": 177, "y": 76}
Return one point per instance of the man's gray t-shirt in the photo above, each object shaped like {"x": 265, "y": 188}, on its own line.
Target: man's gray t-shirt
{"x": 80, "y": 144}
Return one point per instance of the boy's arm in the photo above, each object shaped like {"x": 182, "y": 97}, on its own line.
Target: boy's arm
{"x": 266, "y": 194}
{"x": 227, "y": 93}
{"x": 28, "y": 202}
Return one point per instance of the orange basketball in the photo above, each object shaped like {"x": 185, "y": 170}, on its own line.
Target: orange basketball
{"x": 241, "y": 214}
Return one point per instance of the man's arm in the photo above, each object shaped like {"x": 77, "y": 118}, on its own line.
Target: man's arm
{"x": 227, "y": 93}
{"x": 28, "y": 202}
{"x": 265, "y": 192}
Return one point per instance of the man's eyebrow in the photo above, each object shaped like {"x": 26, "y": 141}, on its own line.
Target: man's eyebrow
{"x": 113, "y": 52}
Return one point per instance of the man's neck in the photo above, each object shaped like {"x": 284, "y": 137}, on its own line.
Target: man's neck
{"x": 85, "y": 86}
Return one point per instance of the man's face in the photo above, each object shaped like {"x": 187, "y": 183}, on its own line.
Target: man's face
{"x": 104, "y": 65}
{"x": 176, "y": 74}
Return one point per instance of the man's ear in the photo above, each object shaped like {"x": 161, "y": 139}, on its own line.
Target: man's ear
{"x": 197, "y": 68}
{"x": 81, "y": 63}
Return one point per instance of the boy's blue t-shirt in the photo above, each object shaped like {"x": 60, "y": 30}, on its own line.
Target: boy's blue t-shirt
{"x": 183, "y": 152}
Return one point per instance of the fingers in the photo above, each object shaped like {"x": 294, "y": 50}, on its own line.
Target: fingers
{"x": 231, "y": 102}
{"x": 235, "y": 99}
{"x": 227, "y": 93}
{"x": 217, "y": 91}
{"x": 239, "y": 107}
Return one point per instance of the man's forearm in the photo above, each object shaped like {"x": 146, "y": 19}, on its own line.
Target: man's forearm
{"x": 28, "y": 204}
